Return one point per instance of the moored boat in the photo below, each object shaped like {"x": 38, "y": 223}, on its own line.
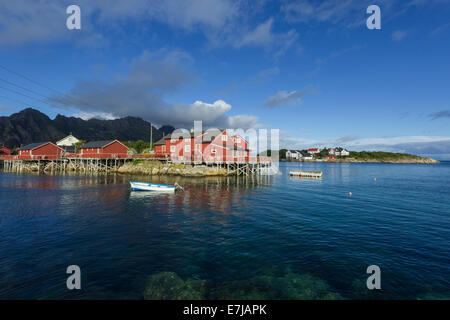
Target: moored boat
{"x": 145, "y": 186}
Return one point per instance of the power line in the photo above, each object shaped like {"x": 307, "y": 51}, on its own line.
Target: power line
{"x": 25, "y": 95}
{"x": 15, "y": 100}
{"x": 23, "y": 88}
{"x": 26, "y": 78}
{"x": 67, "y": 96}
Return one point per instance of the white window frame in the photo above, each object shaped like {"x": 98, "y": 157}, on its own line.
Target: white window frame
{"x": 172, "y": 148}
{"x": 187, "y": 148}
{"x": 224, "y": 137}
{"x": 238, "y": 140}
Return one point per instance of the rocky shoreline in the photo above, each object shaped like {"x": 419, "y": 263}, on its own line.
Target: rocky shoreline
{"x": 161, "y": 168}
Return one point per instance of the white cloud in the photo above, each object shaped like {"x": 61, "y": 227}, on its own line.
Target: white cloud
{"x": 142, "y": 92}
{"x": 94, "y": 115}
{"x": 399, "y": 35}
{"x": 284, "y": 97}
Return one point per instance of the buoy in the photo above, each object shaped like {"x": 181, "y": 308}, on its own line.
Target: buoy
{"x": 374, "y": 179}
{"x": 350, "y": 194}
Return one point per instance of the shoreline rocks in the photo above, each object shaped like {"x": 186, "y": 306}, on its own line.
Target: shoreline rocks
{"x": 159, "y": 168}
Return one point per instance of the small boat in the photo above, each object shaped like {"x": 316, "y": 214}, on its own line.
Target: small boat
{"x": 306, "y": 174}
{"x": 145, "y": 186}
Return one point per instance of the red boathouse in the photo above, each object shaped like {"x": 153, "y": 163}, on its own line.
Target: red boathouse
{"x": 40, "y": 150}
{"x": 103, "y": 149}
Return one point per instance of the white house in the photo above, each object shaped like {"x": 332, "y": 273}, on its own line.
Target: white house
{"x": 338, "y": 152}
{"x": 293, "y": 155}
{"x": 68, "y": 141}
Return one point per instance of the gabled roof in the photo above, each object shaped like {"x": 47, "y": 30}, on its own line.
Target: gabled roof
{"x": 208, "y": 135}
{"x": 305, "y": 154}
{"x": 32, "y": 146}
{"x": 162, "y": 141}
{"x": 97, "y": 144}
{"x": 70, "y": 135}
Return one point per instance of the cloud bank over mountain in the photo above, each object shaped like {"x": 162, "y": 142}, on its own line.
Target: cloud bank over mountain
{"x": 142, "y": 91}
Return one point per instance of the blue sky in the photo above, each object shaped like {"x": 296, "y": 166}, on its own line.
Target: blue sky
{"x": 309, "y": 68}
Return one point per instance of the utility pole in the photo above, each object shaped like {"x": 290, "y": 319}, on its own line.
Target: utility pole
{"x": 151, "y": 136}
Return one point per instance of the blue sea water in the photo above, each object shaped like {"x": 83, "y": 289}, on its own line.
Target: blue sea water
{"x": 232, "y": 233}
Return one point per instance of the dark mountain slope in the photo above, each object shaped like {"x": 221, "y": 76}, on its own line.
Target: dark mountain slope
{"x": 30, "y": 125}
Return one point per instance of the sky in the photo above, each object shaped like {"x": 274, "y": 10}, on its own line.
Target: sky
{"x": 311, "y": 69}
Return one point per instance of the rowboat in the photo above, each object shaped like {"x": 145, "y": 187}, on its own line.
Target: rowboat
{"x": 306, "y": 173}
{"x": 144, "y": 186}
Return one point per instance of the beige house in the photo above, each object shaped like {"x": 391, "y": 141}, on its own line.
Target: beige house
{"x": 68, "y": 141}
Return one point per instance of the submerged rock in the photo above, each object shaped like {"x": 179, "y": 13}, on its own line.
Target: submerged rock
{"x": 169, "y": 286}
{"x": 290, "y": 286}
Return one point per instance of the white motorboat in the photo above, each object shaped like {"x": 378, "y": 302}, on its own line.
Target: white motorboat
{"x": 145, "y": 186}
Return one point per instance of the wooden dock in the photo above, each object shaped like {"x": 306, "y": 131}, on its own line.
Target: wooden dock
{"x": 306, "y": 173}
{"x": 105, "y": 165}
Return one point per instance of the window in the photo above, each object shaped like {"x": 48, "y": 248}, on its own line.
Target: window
{"x": 172, "y": 148}
{"x": 224, "y": 137}
{"x": 238, "y": 140}
{"x": 213, "y": 151}
{"x": 186, "y": 140}
{"x": 187, "y": 148}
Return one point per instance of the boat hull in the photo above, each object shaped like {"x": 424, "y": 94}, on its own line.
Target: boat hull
{"x": 143, "y": 186}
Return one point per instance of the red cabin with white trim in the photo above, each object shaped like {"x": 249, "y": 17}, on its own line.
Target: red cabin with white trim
{"x": 40, "y": 150}
{"x": 103, "y": 149}
{"x": 210, "y": 146}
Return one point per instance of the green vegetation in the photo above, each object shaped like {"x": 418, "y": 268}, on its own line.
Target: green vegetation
{"x": 382, "y": 156}
{"x": 140, "y": 146}
{"x": 323, "y": 153}
{"x": 79, "y": 144}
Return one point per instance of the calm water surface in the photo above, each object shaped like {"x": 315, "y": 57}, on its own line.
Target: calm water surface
{"x": 273, "y": 237}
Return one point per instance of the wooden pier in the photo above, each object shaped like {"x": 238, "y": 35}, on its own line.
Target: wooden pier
{"x": 105, "y": 165}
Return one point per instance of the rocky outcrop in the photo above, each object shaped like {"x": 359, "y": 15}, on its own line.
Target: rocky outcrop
{"x": 160, "y": 168}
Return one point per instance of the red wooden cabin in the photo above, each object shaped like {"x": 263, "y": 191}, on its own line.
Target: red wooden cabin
{"x": 4, "y": 151}
{"x": 40, "y": 150}
{"x": 103, "y": 149}
{"x": 209, "y": 146}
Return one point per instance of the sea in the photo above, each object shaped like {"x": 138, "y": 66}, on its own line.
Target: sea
{"x": 265, "y": 237}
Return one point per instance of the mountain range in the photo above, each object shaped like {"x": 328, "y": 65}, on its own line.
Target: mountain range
{"x": 31, "y": 125}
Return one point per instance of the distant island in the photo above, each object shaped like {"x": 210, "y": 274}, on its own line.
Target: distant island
{"x": 341, "y": 155}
